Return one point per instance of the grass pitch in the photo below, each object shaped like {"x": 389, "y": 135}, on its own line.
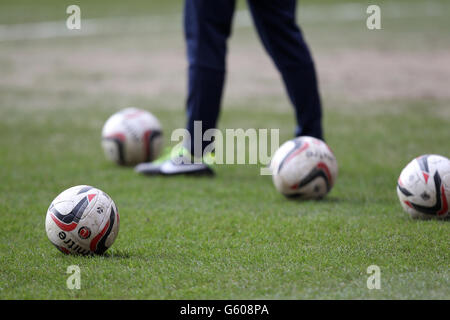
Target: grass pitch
{"x": 232, "y": 236}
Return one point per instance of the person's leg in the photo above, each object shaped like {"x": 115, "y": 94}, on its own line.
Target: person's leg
{"x": 207, "y": 26}
{"x": 283, "y": 40}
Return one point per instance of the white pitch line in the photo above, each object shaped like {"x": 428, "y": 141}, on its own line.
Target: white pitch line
{"x": 345, "y": 12}
{"x": 89, "y": 27}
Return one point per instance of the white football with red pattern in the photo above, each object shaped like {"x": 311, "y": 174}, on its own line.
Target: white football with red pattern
{"x": 304, "y": 167}
{"x": 132, "y": 136}
{"x": 82, "y": 220}
{"x": 423, "y": 187}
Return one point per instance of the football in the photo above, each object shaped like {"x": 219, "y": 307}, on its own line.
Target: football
{"x": 132, "y": 136}
{"x": 82, "y": 220}
{"x": 304, "y": 167}
{"x": 423, "y": 187}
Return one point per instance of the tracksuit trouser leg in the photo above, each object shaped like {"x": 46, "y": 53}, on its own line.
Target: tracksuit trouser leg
{"x": 207, "y": 26}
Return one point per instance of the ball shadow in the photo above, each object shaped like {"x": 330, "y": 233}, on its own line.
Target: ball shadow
{"x": 299, "y": 199}
{"x": 116, "y": 254}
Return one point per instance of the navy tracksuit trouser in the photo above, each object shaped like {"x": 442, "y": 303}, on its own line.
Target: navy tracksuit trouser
{"x": 207, "y": 26}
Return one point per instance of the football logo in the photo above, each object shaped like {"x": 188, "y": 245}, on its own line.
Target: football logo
{"x": 84, "y": 232}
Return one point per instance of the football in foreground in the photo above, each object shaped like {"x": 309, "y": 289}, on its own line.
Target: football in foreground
{"x": 82, "y": 220}
{"x": 304, "y": 167}
{"x": 132, "y": 136}
{"x": 423, "y": 187}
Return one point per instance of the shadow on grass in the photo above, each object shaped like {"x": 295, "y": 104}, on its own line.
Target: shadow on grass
{"x": 116, "y": 254}
{"x": 326, "y": 200}
{"x": 359, "y": 201}
{"x": 431, "y": 219}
